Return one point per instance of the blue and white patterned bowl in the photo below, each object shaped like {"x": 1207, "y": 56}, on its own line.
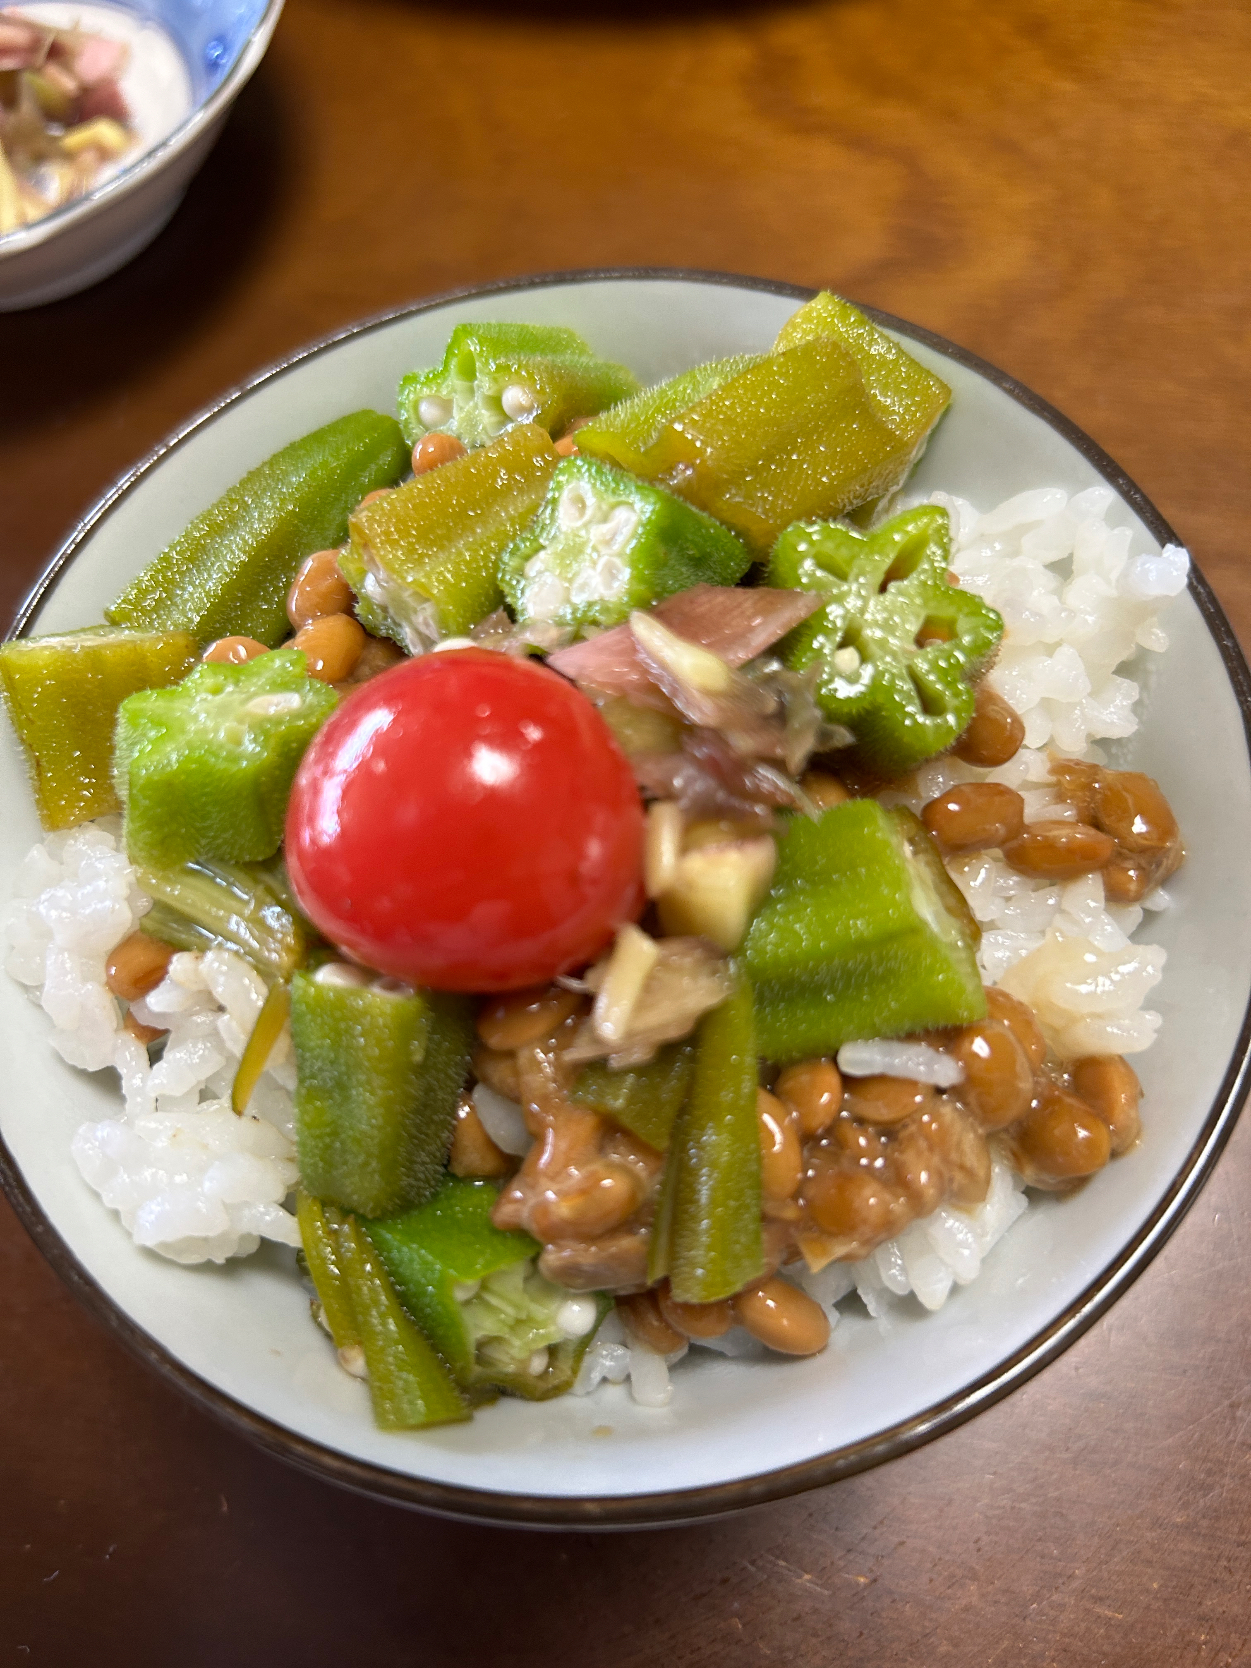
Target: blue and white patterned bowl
{"x": 190, "y": 61}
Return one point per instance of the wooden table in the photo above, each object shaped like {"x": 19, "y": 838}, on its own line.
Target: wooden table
{"x": 1061, "y": 187}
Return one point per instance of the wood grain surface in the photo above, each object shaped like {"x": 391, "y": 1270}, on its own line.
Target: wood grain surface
{"x": 1060, "y": 186}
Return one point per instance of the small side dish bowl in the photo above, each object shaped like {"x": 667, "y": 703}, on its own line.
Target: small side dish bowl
{"x": 187, "y": 66}
{"x": 238, "y": 1339}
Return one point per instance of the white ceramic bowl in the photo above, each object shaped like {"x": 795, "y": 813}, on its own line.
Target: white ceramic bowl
{"x": 188, "y": 65}
{"x": 239, "y": 1340}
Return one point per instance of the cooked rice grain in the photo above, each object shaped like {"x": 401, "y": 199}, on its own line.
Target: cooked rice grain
{"x": 187, "y": 1177}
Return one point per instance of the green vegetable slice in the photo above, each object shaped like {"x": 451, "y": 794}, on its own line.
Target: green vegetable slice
{"x": 424, "y": 557}
{"x": 478, "y": 1297}
{"x": 229, "y": 572}
{"x": 380, "y": 1069}
{"x": 63, "y": 692}
{"x": 896, "y": 647}
{"x": 604, "y": 543}
{"x": 409, "y": 1385}
{"x": 205, "y": 769}
{"x": 706, "y": 1237}
{"x": 205, "y": 906}
{"x": 907, "y": 396}
{"x": 863, "y": 935}
{"x": 832, "y": 419}
{"x": 646, "y": 1099}
{"x": 274, "y": 1014}
{"x": 625, "y": 433}
{"x": 494, "y": 375}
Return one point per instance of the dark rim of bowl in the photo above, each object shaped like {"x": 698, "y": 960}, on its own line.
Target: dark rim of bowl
{"x": 679, "y": 1505}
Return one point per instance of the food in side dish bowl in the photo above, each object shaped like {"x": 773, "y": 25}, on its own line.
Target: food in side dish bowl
{"x": 602, "y": 872}
{"x": 64, "y": 119}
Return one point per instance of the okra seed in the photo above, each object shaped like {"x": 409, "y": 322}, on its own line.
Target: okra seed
{"x": 546, "y": 597}
{"x": 847, "y": 662}
{"x": 352, "y": 1360}
{"x": 464, "y": 1290}
{"x": 536, "y": 1366}
{"x": 340, "y": 973}
{"x": 270, "y": 706}
{"x": 574, "y": 507}
{"x": 518, "y": 401}
{"x": 576, "y": 1316}
{"x": 434, "y": 412}
{"x": 454, "y": 643}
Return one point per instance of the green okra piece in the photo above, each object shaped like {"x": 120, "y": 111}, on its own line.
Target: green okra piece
{"x": 320, "y": 1241}
{"x": 645, "y": 1099}
{"x": 625, "y": 433}
{"x": 379, "y": 1071}
{"x": 907, "y": 396}
{"x": 229, "y": 572}
{"x": 833, "y": 418}
{"x": 409, "y": 1385}
{"x": 707, "y": 1236}
{"x": 427, "y": 553}
{"x": 794, "y": 435}
{"x": 897, "y": 648}
{"x": 604, "y": 543}
{"x": 863, "y": 934}
{"x": 63, "y": 692}
{"x": 232, "y": 906}
{"x": 494, "y": 375}
{"x": 204, "y": 769}
{"x": 475, "y": 1292}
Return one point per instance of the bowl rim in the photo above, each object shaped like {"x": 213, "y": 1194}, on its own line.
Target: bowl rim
{"x": 151, "y": 161}
{"x": 678, "y": 1506}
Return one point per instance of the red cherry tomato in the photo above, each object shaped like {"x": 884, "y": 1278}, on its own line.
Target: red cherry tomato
{"x": 467, "y": 822}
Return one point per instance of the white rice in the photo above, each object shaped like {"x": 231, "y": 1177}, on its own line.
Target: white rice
{"x": 187, "y": 1177}
{"x": 194, "y": 1182}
